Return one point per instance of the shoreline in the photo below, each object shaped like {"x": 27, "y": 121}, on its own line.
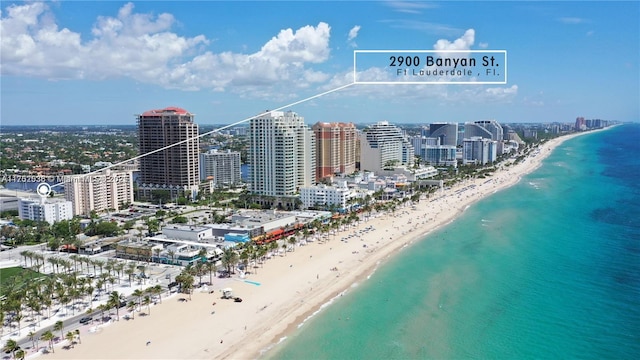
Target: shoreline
{"x": 291, "y": 288}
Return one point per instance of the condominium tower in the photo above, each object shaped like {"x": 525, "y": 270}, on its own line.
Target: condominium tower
{"x": 176, "y": 168}
{"x": 221, "y": 167}
{"x": 281, "y": 153}
{"x": 446, "y": 132}
{"x": 383, "y": 145}
{"x": 335, "y": 149}
{"x": 99, "y": 192}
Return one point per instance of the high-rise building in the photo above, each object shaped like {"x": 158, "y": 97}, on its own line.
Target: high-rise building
{"x": 383, "y": 145}
{"x": 478, "y": 150}
{"x": 221, "y": 167}
{"x": 335, "y": 149}
{"x": 431, "y": 152}
{"x": 175, "y": 169}
{"x": 99, "y": 192}
{"x": 44, "y": 210}
{"x": 446, "y": 132}
{"x": 487, "y": 129}
{"x": 281, "y": 153}
{"x": 581, "y": 124}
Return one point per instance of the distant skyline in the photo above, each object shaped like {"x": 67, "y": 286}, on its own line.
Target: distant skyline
{"x": 100, "y": 63}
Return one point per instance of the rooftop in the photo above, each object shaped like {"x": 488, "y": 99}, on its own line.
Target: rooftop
{"x": 170, "y": 109}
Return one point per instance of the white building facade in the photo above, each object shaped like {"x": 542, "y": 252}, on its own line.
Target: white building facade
{"x": 99, "y": 192}
{"x": 383, "y": 145}
{"x": 281, "y": 153}
{"x": 477, "y": 150}
{"x": 40, "y": 210}
{"x": 223, "y": 167}
{"x": 323, "y": 196}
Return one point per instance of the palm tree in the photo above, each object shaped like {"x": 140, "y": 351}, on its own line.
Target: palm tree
{"x": 32, "y": 337}
{"x": 157, "y": 252}
{"x": 48, "y": 336}
{"x": 244, "y": 257}
{"x": 292, "y": 241}
{"x": 114, "y": 301}
{"x": 172, "y": 255}
{"x": 11, "y": 346}
{"x": 147, "y": 301}
{"x": 156, "y": 290}
{"x": 229, "y": 258}
{"x": 70, "y": 336}
{"x": 59, "y": 326}
{"x": 19, "y": 354}
{"x": 211, "y": 267}
{"x": 25, "y": 254}
{"x": 131, "y": 306}
{"x": 199, "y": 269}
{"x": 138, "y": 294}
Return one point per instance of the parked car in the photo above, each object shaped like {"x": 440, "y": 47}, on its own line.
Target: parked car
{"x": 86, "y": 320}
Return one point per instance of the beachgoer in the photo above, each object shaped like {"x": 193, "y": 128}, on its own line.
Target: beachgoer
{"x": 148, "y": 342}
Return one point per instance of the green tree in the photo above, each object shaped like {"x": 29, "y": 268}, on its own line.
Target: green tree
{"x": 179, "y": 220}
{"x": 48, "y": 337}
{"x": 59, "y": 326}
{"x": 11, "y": 346}
{"x": 70, "y": 337}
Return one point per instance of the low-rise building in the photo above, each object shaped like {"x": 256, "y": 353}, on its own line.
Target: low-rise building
{"x": 321, "y": 196}
{"x": 187, "y": 232}
{"x": 44, "y": 210}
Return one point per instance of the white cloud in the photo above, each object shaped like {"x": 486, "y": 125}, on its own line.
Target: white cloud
{"x": 410, "y": 7}
{"x": 572, "y": 20}
{"x": 462, "y": 43}
{"x": 353, "y": 33}
{"x": 483, "y": 45}
{"x": 143, "y": 47}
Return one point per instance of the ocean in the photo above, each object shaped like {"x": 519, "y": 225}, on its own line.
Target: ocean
{"x": 546, "y": 269}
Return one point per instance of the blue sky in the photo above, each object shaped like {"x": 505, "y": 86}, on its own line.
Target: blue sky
{"x": 75, "y": 62}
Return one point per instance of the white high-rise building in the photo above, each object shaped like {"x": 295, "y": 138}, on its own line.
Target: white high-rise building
{"x": 478, "y": 150}
{"x": 383, "y": 144}
{"x": 281, "y": 153}
{"x": 99, "y": 192}
{"x": 221, "y": 167}
{"x": 44, "y": 210}
{"x": 488, "y": 129}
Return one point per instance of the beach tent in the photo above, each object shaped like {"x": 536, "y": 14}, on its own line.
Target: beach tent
{"x": 227, "y": 292}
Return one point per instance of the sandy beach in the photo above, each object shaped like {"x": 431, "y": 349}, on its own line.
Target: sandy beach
{"x": 287, "y": 288}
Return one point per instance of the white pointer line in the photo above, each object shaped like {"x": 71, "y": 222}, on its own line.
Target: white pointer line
{"x": 213, "y": 131}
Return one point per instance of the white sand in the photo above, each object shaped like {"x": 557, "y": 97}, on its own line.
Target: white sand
{"x": 291, "y": 288}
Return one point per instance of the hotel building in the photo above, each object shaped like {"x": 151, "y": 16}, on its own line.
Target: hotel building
{"x": 382, "y": 144}
{"x": 335, "y": 149}
{"x": 446, "y": 132}
{"x": 478, "y": 150}
{"x": 487, "y": 129}
{"x": 175, "y": 169}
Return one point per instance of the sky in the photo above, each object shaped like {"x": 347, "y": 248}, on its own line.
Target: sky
{"x": 101, "y": 63}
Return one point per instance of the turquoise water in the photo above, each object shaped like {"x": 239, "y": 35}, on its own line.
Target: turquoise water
{"x": 547, "y": 269}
